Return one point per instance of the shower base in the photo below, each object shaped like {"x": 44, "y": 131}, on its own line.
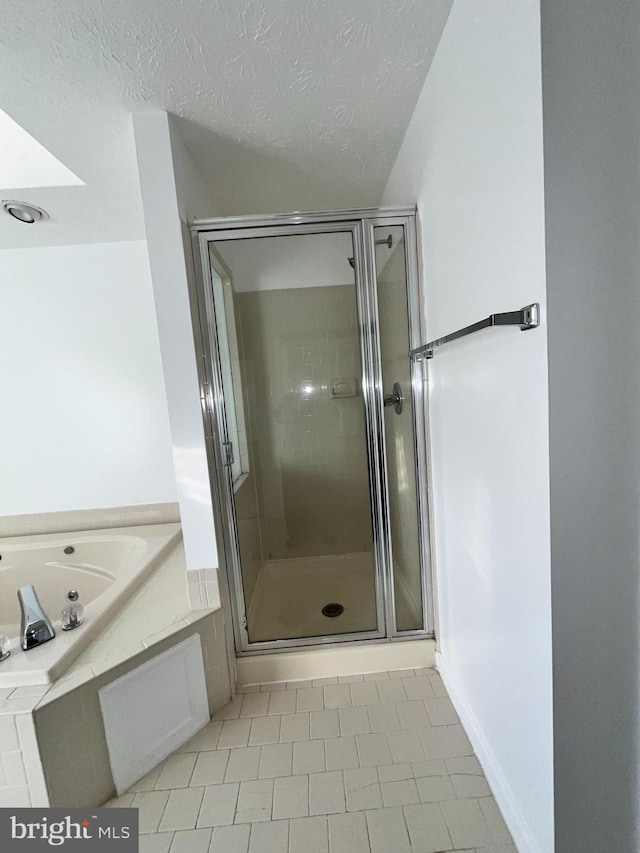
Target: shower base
{"x": 290, "y": 595}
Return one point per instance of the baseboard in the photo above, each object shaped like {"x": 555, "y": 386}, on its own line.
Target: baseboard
{"x": 345, "y": 659}
{"x": 502, "y": 792}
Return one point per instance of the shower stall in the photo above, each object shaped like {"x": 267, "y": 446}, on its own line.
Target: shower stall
{"x": 314, "y": 423}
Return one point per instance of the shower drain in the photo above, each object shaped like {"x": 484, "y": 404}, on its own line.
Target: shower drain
{"x": 332, "y": 610}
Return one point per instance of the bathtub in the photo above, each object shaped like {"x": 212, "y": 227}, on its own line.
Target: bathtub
{"x": 105, "y": 567}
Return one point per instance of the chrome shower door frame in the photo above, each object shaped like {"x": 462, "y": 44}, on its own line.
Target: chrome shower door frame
{"x": 360, "y": 224}
{"x": 407, "y": 219}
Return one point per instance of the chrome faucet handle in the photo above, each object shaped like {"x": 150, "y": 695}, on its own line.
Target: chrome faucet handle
{"x": 35, "y": 626}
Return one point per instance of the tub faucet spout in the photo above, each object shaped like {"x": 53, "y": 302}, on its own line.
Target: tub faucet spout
{"x": 35, "y": 627}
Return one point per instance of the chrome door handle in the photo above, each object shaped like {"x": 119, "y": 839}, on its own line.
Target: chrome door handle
{"x": 395, "y": 399}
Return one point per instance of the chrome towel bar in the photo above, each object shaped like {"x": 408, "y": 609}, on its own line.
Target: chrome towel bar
{"x": 527, "y": 318}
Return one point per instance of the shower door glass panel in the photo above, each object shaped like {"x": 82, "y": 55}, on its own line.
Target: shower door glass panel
{"x": 391, "y": 275}
{"x": 303, "y": 513}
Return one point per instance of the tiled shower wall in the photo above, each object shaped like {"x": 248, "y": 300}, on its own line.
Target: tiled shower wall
{"x": 307, "y": 446}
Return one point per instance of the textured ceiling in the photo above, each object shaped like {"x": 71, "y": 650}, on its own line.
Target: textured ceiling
{"x": 284, "y": 104}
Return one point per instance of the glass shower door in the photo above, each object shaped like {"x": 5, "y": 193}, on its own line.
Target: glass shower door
{"x": 400, "y": 424}
{"x": 289, "y": 315}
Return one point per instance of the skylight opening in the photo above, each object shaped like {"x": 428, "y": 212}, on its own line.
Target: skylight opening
{"x": 25, "y": 163}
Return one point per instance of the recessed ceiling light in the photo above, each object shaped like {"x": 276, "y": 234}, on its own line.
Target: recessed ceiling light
{"x": 23, "y": 212}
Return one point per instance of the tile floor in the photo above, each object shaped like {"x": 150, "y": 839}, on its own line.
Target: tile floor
{"x": 358, "y": 764}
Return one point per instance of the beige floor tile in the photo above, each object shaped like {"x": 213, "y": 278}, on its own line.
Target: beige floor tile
{"x": 427, "y": 828}
{"x": 470, "y": 786}
{"x": 291, "y": 797}
{"x": 308, "y": 835}
{"x": 354, "y": 721}
{"x": 467, "y": 824}
{"x": 309, "y": 757}
{"x": 348, "y": 833}
{"x": 362, "y": 789}
{"x": 383, "y": 718}
{"x": 210, "y": 767}
{"x": 392, "y": 773}
{"x": 388, "y": 831}
{"x": 495, "y": 821}
{"x": 441, "y": 712}
{"x": 495, "y": 848}
{"x": 433, "y": 767}
{"x": 255, "y": 801}
{"x": 230, "y": 839}
{"x": 230, "y": 711}
{"x": 365, "y": 693}
{"x": 444, "y": 742}
{"x": 265, "y": 730}
{"x": 326, "y": 793}
{"x": 341, "y": 752}
{"x": 276, "y": 760}
{"x": 182, "y": 809}
{"x": 218, "y": 805}
{"x": 337, "y": 696}
{"x": 156, "y": 843}
{"x": 243, "y": 764}
{"x": 310, "y": 699}
{"x": 325, "y": 724}
{"x": 255, "y": 705}
{"x": 191, "y": 841}
{"x": 392, "y": 691}
{"x": 207, "y": 738}
{"x": 148, "y": 782}
{"x": 400, "y": 793}
{"x": 151, "y": 805}
{"x": 282, "y": 702}
{"x": 405, "y": 746}
{"x": 395, "y": 772}
{"x": 436, "y": 683}
{"x": 235, "y": 733}
{"x": 467, "y": 765}
{"x": 413, "y": 714}
{"x": 270, "y": 837}
{"x": 373, "y": 750}
{"x": 176, "y": 771}
{"x": 434, "y": 789}
{"x": 376, "y": 676}
{"x": 419, "y": 687}
{"x": 294, "y": 727}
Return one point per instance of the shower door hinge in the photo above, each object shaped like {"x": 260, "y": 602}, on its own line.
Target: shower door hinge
{"x": 228, "y": 453}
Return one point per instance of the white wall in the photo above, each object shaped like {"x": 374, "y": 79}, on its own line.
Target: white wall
{"x": 472, "y": 159}
{"x": 591, "y": 68}
{"x": 84, "y": 416}
{"x": 171, "y": 192}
